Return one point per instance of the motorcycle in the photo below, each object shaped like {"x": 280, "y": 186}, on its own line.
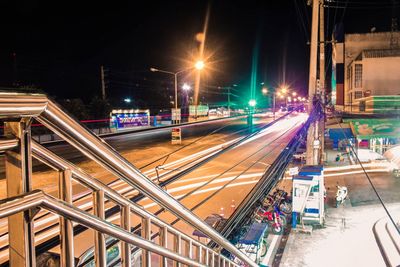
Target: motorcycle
{"x": 275, "y": 218}
{"x": 280, "y": 198}
{"x": 341, "y": 195}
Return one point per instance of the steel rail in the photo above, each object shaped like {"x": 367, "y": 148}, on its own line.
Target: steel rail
{"x": 264, "y": 185}
{"x": 53, "y": 117}
{"x": 8, "y": 143}
{"x": 109, "y": 212}
{"x": 39, "y": 199}
{"x": 58, "y": 163}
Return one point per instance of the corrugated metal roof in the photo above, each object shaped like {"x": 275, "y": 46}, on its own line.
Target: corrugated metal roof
{"x": 377, "y": 53}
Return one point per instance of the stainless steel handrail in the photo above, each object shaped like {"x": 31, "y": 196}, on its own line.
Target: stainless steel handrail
{"x": 8, "y": 143}
{"x": 59, "y": 164}
{"x": 40, "y": 199}
{"x": 53, "y": 117}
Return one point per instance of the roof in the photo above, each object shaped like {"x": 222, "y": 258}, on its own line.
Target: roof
{"x": 393, "y": 155}
{"x": 311, "y": 170}
{"x": 254, "y": 234}
{"x": 303, "y": 177}
{"x": 378, "y": 53}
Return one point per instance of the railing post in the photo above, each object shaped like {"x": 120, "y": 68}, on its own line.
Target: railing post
{"x": 190, "y": 249}
{"x": 66, "y": 228}
{"x": 200, "y": 252}
{"x": 207, "y": 258}
{"x": 18, "y": 167}
{"x": 125, "y": 247}
{"x": 146, "y": 234}
{"x": 164, "y": 243}
{"x": 99, "y": 240}
{"x": 178, "y": 249}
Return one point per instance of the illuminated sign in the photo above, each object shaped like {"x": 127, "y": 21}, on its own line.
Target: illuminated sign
{"x": 129, "y": 118}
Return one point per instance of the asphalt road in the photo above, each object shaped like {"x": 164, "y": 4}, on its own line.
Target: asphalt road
{"x": 227, "y": 179}
{"x": 139, "y": 148}
{"x": 216, "y": 187}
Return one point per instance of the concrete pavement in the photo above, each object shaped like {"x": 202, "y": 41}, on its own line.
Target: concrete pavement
{"x": 347, "y": 238}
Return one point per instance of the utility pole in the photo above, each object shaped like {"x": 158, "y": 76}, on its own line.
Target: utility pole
{"x": 310, "y": 158}
{"x": 103, "y": 84}
{"x": 322, "y": 77}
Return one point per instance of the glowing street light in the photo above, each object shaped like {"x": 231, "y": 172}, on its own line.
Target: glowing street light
{"x": 127, "y": 100}
{"x": 294, "y": 94}
{"x": 284, "y": 90}
{"x": 252, "y": 103}
{"x": 264, "y": 91}
{"x": 186, "y": 87}
{"x": 199, "y": 65}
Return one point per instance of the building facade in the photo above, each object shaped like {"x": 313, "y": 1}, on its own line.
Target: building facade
{"x": 364, "y": 66}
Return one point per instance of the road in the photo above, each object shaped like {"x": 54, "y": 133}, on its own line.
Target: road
{"x": 137, "y": 149}
{"x": 140, "y": 149}
{"x": 227, "y": 179}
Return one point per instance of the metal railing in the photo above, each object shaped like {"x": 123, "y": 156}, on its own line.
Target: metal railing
{"x": 18, "y": 110}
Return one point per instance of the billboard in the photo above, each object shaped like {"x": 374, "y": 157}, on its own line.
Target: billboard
{"x": 199, "y": 110}
{"x": 126, "y": 118}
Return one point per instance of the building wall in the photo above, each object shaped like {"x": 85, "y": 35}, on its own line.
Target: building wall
{"x": 381, "y": 75}
{"x": 354, "y": 44}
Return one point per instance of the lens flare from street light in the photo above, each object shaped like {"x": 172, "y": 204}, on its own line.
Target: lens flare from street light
{"x": 264, "y": 91}
{"x": 284, "y": 90}
{"x": 252, "y": 103}
{"x": 186, "y": 87}
{"x": 294, "y": 94}
{"x": 199, "y": 65}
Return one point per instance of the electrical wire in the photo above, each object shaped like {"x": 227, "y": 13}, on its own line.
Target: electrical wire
{"x": 368, "y": 178}
{"x": 236, "y": 177}
{"x": 229, "y": 169}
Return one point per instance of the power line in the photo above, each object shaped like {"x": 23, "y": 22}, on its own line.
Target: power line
{"x": 368, "y": 178}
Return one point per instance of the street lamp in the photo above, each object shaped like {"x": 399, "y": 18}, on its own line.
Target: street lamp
{"x": 264, "y": 91}
{"x": 186, "y": 87}
{"x": 252, "y": 103}
{"x": 198, "y": 65}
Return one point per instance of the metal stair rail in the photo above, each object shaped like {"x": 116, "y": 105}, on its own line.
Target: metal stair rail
{"x": 22, "y": 204}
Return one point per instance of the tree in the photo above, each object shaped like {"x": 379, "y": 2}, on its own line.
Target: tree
{"x": 76, "y": 107}
{"x": 99, "y": 108}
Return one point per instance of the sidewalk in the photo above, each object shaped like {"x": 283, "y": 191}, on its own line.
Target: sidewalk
{"x": 347, "y": 237}
{"x": 346, "y": 240}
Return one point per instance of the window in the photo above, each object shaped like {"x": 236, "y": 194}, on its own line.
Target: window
{"x": 358, "y": 76}
{"x": 348, "y": 77}
{"x": 358, "y": 94}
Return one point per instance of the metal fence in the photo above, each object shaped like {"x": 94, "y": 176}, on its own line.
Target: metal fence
{"x": 22, "y": 204}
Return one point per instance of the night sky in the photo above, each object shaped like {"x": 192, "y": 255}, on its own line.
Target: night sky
{"x": 59, "y": 46}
